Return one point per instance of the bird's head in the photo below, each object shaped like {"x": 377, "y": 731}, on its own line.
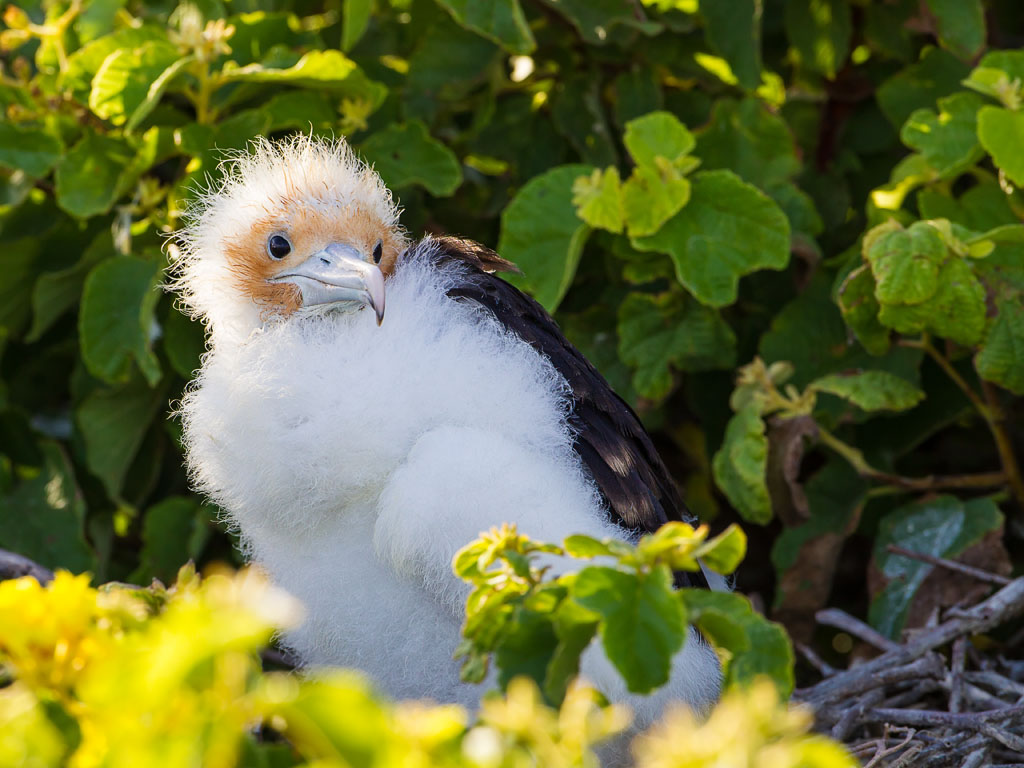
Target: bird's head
{"x": 293, "y": 227}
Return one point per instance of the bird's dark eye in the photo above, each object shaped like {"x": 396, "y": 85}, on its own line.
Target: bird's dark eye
{"x": 378, "y": 251}
{"x": 278, "y": 246}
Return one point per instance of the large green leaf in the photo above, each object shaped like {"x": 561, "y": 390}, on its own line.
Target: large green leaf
{"x": 642, "y": 622}
{"x": 754, "y": 646}
{"x": 500, "y": 20}
{"x": 56, "y": 292}
{"x": 123, "y": 81}
{"x": 659, "y": 333}
{"x": 956, "y": 311}
{"x": 42, "y": 516}
{"x": 116, "y": 318}
{"x": 1001, "y": 359}
{"x": 651, "y": 196}
{"x": 748, "y": 139}
{"x": 355, "y": 19}
{"x": 906, "y": 263}
{"x": 727, "y": 230}
{"x": 541, "y": 233}
{"x": 88, "y": 175}
{"x": 407, "y": 154}
{"x": 316, "y": 69}
{"x": 113, "y": 423}
{"x": 961, "y": 25}
{"x": 820, "y": 32}
{"x": 937, "y": 74}
{"x": 657, "y": 134}
{"x": 598, "y": 199}
{"x": 1001, "y": 133}
{"x": 173, "y": 531}
{"x": 871, "y": 390}
{"x": 733, "y": 30}
{"x": 594, "y": 19}
{"x": 949, "y": 139}
{"x": 87, "y": 60}
{"x": 29, "y": 149}
{"x": 859, "y": 307}
{"x": 942, "y": 526}
{"x": 740, "y": 465}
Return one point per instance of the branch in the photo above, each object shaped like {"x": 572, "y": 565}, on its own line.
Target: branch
{"x": 13, "y": 566}
{"x": 1004, "y": 605}
{"x": 975, "y": 573}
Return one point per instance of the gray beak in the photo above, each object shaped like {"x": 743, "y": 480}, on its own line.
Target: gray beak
{"x": 337, "y": 275}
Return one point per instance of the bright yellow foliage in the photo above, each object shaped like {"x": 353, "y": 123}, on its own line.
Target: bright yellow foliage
{"x": 127, "y": 678}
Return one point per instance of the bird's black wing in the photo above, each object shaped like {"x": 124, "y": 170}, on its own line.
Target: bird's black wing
{"x": 610, "y": 439}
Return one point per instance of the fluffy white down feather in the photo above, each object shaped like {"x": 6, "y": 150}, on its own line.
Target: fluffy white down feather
{"x": 355, "y": 460}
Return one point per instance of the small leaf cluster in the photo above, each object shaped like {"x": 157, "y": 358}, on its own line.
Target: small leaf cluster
{"x": 538, "y": 624}
{"x": 126, "y": 676}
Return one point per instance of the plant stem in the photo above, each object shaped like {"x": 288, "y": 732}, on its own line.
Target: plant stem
{"x": 899, "y": 483}
{"x": 997, "y": 424}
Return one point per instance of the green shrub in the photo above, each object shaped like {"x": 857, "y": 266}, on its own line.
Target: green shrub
{"x": 822, "y": 192}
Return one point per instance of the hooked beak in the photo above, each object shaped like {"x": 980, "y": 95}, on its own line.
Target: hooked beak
{"x": 337, "y": 275}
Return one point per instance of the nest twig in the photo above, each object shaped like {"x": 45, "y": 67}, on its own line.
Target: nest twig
{"x": 913, "y": 705}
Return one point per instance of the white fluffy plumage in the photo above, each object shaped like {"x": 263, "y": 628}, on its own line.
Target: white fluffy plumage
{"x": 356, "y": 459}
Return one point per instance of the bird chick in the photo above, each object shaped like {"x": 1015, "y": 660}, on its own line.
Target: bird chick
{"x": 357, "y": 451}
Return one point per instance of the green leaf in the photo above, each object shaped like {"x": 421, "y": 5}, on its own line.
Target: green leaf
{"x": 575, "y": 627}
{"x": 527, "y": 645}
{"x": 122, "y": 83}
{"x": 942, "y": 526}
{"x": 169, "y": 538}
{"x": 42, "y": 517}
{"x": 820, "y": 32}
{"x": 581, "y": 546}
{"x": 113, "y": 423}
{"x": 541, "y": 233}
{"x": 56, "y": 292}
{"x": 642, "y": 622}
{"x": 906, "y": 263}
{"x": 658, "y": 134}
{"x": 859, "y": 307}
{"x": 948, "y": 140}
{"x": 956, "y": 311}
{"x": 500, "y": 20}
{"x": 1001, "y": 359}
{"x": 355, "y": 18}
{"x": 733, "y": 31}
{"x": 406, "y": 154}
{"x": 961, "y": 25}
{"x": 598, "y": 199}
{"x": 316, "y": 69}
{"x": 727, "y": 230}
{"x": 724, "y": 553}
{"x": 20, "y": 265}
{"x": 651, "y": 196}
{"x": 740, "y": 465}
{"x": 755, "y": 646}
{"x": 115, "y": 321}
{"x": 184, "y": 342}
{"x": 871, "y": 390}
{"x": 86, "y": 61}
{"x": 1001, "y": 133}
{"x": 594, "y": 19}
{"x": 578, "y": 112}
{"x": 920, "y": 85}
{"x": 31, "y": 150}
{"x": 659, "y": 333}
{"x": 748, "y": 139}
{"x": 156, "y": 92}
{"x": 87, "y": 176}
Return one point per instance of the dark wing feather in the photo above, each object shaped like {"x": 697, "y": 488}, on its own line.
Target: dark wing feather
{"x": 610, "y": 440}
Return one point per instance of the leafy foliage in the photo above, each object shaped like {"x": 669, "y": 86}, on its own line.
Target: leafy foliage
{"x": 824, "y": 192}
{"x": 129, "y": 676}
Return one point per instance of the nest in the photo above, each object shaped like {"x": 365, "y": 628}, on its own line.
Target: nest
{"x": 935, "y": 699}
